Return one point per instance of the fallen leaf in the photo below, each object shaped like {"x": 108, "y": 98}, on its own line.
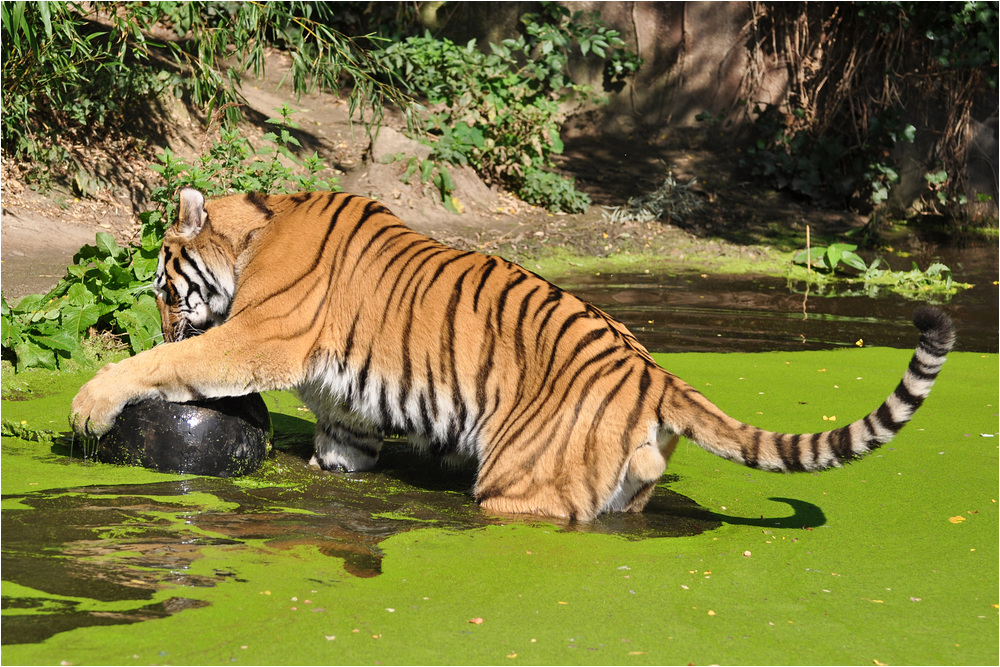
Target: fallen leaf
{"x": 711, "y": 613}
{"x": 879, "y": 663}
{"x": 956, "y": 519}
{"x": 476, "y": 621}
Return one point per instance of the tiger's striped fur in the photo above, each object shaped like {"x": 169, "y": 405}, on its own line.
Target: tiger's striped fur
{"x": 383, "y": 329}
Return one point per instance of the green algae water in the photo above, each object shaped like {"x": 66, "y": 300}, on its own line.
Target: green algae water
{"x": 890, "y": 560}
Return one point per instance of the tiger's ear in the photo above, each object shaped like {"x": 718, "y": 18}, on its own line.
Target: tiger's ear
{"x": 192, "y": 214}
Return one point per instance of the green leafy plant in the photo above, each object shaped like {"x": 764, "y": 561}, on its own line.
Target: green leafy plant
{"x": 552, "y": 191}
{"x": 829, "y": 258}
{"x": 500, "y": 111}
{"x": 107, "y": 288}
{"x": 21, "y": 430}
{"x": 428, "y": 171}
{"x": 937, "y": 182}
{"x": 819, "y": 266}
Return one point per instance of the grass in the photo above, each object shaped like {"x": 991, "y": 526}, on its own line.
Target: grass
{"x": 891, "y": 560}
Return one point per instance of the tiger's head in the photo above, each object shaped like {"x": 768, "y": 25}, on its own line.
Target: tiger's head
{"x": 195, "y": 275}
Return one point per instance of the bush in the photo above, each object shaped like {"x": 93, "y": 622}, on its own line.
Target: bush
{"x": 500, "y": 112}
{"x": 76, "y": 72}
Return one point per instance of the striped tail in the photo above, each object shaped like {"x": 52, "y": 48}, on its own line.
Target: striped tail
{"x": 766, "y": 450}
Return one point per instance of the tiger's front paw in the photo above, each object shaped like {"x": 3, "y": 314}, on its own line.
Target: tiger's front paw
{"x": 99, "y": 402}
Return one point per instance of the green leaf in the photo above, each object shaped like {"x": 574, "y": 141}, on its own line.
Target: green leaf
{"x": 29, "y": 303}
{"x": 30, "y": 355}
{"x": 832, "y": 257}
{"x": 144, "y": 268}
{"x": 107, "y": 245}
{"x": 854, "y": 261}
{"x": 557, "y": 142}
{"x": 61, "y": 340}
{"x": 411, "y": 169}
{"x": 10, "y": 331}
{"x": 936, "y": 177}
{"x": 426, "y": 168}
{"x": 141, "y": 322}
{"x": 79, "y": 295}
{"x": 78, "y": 319}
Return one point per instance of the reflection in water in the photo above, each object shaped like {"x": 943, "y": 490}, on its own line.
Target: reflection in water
{"x": 732, "y": 313}
{"x": 690, "y": 313}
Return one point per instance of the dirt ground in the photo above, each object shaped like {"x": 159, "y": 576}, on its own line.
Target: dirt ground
{"x": 39, "y": 233}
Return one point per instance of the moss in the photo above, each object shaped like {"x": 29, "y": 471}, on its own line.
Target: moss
{"x": 896, "y": 562}
{"x": 558, "y": 263}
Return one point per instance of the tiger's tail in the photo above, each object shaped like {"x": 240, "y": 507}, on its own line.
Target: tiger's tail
{"x": 756, "y": 448}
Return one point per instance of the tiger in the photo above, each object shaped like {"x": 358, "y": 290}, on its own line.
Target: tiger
{"x": 381, "y": 329}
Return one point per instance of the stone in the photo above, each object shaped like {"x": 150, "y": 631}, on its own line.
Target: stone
{"x": 225, "y": 437}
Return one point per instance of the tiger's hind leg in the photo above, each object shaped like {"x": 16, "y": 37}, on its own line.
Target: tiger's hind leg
{"x": 642, "y": 472}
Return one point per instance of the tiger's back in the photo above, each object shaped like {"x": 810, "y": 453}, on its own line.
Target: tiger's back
{"x": 383, "y": 329}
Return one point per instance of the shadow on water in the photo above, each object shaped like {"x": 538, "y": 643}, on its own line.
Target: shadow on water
{"x": 97, "y": 555}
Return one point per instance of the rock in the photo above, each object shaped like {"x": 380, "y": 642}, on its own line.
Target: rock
{"x": 226, "y": 437}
